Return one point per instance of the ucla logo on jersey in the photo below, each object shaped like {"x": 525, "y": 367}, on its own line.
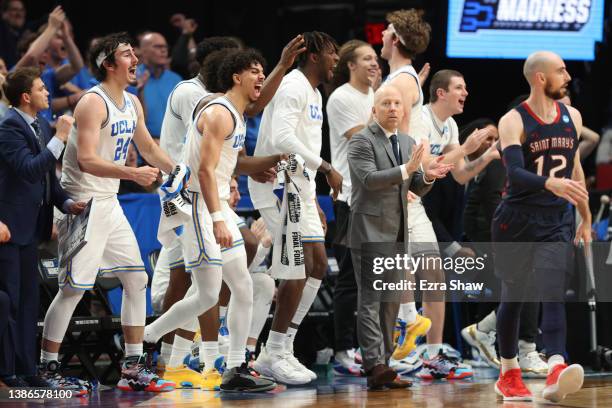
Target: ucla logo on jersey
{"x": 565, "y": 119}
{"x": 239, "y": 141}
{"x": 122, "y": 127}
{"x": 315, "y": 112}
{"x": 436, "y": 149}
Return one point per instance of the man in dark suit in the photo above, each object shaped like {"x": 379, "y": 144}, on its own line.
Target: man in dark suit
{"x": 28, "y": 191}
{"x": 383, "y": 165}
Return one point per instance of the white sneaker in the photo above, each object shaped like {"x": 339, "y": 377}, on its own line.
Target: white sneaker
{"x": 483, "y": 342}
{"x": 563, "y": 380}
{"x": 277, "y": 367}
{"x": 405, "y": 367}
{"x": 530, "y": 361}
{"x": 295, "y": 363}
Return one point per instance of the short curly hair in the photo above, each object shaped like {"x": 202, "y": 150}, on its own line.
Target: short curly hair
{"x": 236, "y": 62}
{"x": 413, "y": 31}
{"x": 107, "y": 45}
{"x": 211, "y": 44}
{"x": 209, "y": 72}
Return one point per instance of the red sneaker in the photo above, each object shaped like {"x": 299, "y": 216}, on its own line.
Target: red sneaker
{"x": 563, "y": 380}
{"x": 510, "y": 386}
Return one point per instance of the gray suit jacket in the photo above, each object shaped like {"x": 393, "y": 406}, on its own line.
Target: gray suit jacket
{"x": 378, "y": 200}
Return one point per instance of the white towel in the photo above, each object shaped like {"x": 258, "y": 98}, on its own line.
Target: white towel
{"x": 292, "y": 185}
{"x": 176, "y": 205}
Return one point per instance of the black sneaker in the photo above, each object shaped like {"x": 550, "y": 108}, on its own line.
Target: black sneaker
{"x": 239, "y": 379}
{"x": 15, "y": 382}
{"x": 36, "y": 381}
{"x": 49, "y": 371}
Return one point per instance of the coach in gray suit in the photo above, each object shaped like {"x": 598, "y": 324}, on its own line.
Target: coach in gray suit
{"x": 384, "y": 165}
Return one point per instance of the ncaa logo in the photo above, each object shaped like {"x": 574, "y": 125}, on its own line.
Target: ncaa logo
{"x": 565, "y": 118}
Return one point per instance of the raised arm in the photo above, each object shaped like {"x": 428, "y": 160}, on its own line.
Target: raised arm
{"x": 40, "y": 44}
{"x": 75, "y": 61}
{"x": 272, "y": 82}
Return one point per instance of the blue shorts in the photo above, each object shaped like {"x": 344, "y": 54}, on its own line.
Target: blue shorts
{"x": 532, "y": 238}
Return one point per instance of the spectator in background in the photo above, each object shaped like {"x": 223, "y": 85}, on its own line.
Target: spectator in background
{"x": 45, "y": 48}
{"x": 183, "y": 51}
{"x": 12, "y": 27}
{"x": 64, "y": 61}
{"x": 160, "y": 83}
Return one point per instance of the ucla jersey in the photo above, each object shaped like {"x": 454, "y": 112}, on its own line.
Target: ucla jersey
{"x": 548, "y": 150}
{"x": 441, "y": 134}
{"x": 116, "y": 134}
{"x": 418, "y": 129}
{"x": 232, "y": 145}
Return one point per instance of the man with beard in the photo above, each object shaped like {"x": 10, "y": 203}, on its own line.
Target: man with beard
{"x": 539, "y": 141}
{"x": 291, "y": 123}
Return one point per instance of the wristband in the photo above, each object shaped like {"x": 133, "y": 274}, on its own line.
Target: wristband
{"x": 217, "y": 216}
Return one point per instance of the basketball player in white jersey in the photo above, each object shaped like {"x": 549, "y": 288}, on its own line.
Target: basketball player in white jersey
{"x": 212, "y": 244}
{"x": 447, "y": 96}
{"x": 170, "y": 282}
{"x": 107, "y": 120}
{"x": 292, "y": 123}
{"x": 183, "y": 103}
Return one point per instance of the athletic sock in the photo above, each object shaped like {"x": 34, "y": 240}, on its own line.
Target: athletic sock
{"x": 290, "y": 338}
{"x": 133, "y": 349}
{"x": 46, "y": 356}
{"x": 222, "y": 312}
{"x": 509, "y": 364}
{"x": 166, "y": 352}
{"x": 276, "y": 342}
{"x": 251, "y": 348}
{"x": 209, "y": 353}
{"x": 180, "y": 348}
{"x": 408, "y": 312}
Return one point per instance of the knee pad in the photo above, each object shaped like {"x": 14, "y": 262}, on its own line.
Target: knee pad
{"x": 263, "y": 286}
{"x": 134, "y": 281}
{"x": 134, "y": 302}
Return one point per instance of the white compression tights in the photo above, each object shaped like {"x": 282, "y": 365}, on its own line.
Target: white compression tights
{"x": 263, "y": 292}
{"x": 240, "y": 309}
{"x": 133, "y": 305}
{"x": 206, "y": 283}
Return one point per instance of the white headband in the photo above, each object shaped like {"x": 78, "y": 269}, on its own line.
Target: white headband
{"x": 392, "y": 29}
{"x": 104, "y": 55}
